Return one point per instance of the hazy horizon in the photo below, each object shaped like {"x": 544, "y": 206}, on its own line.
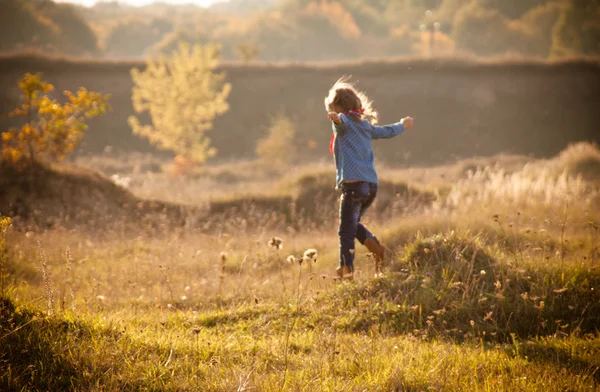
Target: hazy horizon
{"x": 90, "y": 3}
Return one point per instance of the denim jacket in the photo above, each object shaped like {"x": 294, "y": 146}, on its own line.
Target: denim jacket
{"x": 352, "y": 150}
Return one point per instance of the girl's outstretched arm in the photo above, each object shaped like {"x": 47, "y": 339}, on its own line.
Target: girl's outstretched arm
{"x": 391, "y": 130}
{"x": 386, "y": 131}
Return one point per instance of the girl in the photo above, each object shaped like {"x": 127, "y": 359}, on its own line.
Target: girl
{"x": 354, "y": 127}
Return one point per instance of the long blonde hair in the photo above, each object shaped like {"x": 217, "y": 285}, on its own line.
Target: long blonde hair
{"x": 344, "y": 98}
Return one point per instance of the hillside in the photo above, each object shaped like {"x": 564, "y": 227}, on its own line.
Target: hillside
{"x": 463, "y": 107}
{"x": 493, "y": 286}
{"x": 43, "y": 197}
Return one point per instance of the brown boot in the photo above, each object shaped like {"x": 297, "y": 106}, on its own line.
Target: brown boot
{"x": 344, "y": 273}
{"x": 381, "y": 254}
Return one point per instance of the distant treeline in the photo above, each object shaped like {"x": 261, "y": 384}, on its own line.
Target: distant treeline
{"x": 462, "y": 107}
{"x": 299, "y": 30}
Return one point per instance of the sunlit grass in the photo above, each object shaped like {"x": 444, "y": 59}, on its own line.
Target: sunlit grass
{"x": 493, "y": 286}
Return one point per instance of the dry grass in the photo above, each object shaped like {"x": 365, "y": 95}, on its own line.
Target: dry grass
{"x": 480, "y": 294}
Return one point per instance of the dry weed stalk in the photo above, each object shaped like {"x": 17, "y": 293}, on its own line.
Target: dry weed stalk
{"x": 68, "y": 280}
{"x": 277, "y": 244}
{"x": 49, "y": 291}
{"x": 4, "y": 225}
{"x": 163, "y": 271}
{"x": 222, "y": 260}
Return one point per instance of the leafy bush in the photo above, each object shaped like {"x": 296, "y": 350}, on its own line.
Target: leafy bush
{"x": 183, "y": 95}
{"x": 277, "y": 147}
{"x": 52, "y": 129}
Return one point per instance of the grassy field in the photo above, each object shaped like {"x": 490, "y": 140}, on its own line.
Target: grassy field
{"x": 494, "y": 284}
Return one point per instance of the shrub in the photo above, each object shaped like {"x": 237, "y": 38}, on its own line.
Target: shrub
{"x": 52, "y": 129}
{"x": 581, "y": 158}
{"x": 183, "y": 95}
{"x": 247, "y": 51}
{"x": 277, "y": 147}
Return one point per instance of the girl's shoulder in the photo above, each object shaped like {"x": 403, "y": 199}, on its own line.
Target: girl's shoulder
{"x": 349, "y": 120}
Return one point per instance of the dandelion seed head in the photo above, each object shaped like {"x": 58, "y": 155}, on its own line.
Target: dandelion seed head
{"x": 196, "y": 330}
{"x": 276, "y": 243}
{"x": 525, "y": 296}
{"x": 310, "y": 255}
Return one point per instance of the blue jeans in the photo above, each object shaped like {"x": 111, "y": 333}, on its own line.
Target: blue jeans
{"x": 355, "y": 199}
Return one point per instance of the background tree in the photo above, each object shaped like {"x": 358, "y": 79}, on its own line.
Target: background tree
{"x": 247, "y": 51}
{"x": 540, "y": 22}
{"x": 22, "y": 26}
{"x": 512, "y": 8}
{"x": 52, "y": 130}
{"x": 182, "y": 94}
{"x": 132, "y": 38}
{"x": 480, "y": 30}
{"x": 74, "y": 34}
{"x": 277, "y": 147}
{"x": 578, "y": 29}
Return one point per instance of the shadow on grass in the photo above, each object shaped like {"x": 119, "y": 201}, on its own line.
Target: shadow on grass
{"x": 564, "y": 357}
{"x": 41, "y": 353}
{"x": 26, "y": 358}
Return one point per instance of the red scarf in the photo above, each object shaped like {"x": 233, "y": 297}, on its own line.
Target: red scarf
{"x": 359, "y": 113}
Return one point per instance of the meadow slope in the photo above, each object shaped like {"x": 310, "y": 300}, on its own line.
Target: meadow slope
{"x": 494, "y": 285}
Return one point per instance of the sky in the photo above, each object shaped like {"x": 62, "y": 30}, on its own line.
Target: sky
{"x": 203, "y": 3}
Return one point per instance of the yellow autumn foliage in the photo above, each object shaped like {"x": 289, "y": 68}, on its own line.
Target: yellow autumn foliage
{"x": 52, "y": 130}
{"x": 183, "y": 95}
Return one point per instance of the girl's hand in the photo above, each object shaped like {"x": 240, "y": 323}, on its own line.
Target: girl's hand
{"x": 408, "y": 122}
{"x": 333, "y": 116}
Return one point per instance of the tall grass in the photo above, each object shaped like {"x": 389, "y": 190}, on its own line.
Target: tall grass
{"x": 493, "y": 285}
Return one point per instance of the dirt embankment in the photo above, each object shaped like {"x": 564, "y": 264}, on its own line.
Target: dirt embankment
{"x": 463, "y": 107}
{"x": 41, "y": 197}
